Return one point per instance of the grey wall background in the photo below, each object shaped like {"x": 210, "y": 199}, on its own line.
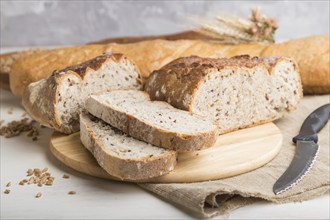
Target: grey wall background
{"x": 44, "y": 23}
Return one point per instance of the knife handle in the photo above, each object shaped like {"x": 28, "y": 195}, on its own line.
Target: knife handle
{"x": 313, "y": 124}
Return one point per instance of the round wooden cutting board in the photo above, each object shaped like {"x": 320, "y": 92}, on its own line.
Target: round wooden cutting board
{"x": 234, "y": 153}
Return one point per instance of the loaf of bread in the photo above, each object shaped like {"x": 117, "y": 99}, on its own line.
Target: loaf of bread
{"x": 157, "y": 123}
{"x": 57, "y": 101}
{"x": 311, "y": 53}
{"x": 6, "y": 62}
{"x": 121, "y": 156}
{"x": 7, "y": 59}
{"x": 236, "y": 93}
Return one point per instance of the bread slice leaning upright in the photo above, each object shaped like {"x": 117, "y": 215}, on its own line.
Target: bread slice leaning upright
{"x": 122, "y": 156}
{"x": 235, "y": 93}
{"x": 157, "y": 123}
{"x": 57, "y": 101}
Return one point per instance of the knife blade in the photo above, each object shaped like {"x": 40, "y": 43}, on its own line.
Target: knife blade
{"x": 306, "y": 151}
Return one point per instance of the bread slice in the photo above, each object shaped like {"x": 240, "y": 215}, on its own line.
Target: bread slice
{"x": 57, "y": 101}
{"x": 235, "y": 93}
{"x": 157, "y": 123}
{"x": 122, "y": 156}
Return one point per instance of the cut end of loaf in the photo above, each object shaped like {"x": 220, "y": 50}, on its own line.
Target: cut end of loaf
{"x": 76, "y": 83}
{"x": 122, "y": 156}
{"x": 155, "y": 122}
{"x": 58, "y": 100}
{"x": 236, "y": 93}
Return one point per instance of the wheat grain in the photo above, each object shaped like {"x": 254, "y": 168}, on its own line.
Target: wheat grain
{"x": 39, "y": 194}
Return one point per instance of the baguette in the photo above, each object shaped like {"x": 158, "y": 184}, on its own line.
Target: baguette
{"x": 7, "y": 59}
{"x": 57, "y": 101}
{"x": 311, "y": 53}
{"x": 121, "y": 156}
{"x": 235, "y": 93}
{"x": 157, "y": 123}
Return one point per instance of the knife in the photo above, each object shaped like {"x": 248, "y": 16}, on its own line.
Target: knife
{"x": 306, "y": 151}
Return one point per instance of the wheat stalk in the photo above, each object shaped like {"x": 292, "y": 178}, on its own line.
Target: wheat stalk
{"x": 232, "y": 30}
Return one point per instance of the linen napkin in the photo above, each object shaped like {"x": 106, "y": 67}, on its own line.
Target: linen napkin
{"x": 219, "y": 197}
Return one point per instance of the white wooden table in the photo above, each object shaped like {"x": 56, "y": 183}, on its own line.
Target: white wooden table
{"x": 98, "y": 198}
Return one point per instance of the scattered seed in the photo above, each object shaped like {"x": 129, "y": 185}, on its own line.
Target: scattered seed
{"x": 8, "y": 184}
{"x": 38, "y": 195}
{"x": 72, "y": 193}
{"x": 29, "y": 172}
{"x": 7, "y": 191}
{"x": 36, "y": 170}
{"x": 43, "y": 178}
{"x": 66, "y": 176}
{"x": 31, "y": 180}
{"x": 15, "y": 128}
{"x": 49, "y": 183}
{"x": 38, "y": 177}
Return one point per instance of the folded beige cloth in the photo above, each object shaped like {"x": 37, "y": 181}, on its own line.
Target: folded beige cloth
{"x": 222, "y": 196}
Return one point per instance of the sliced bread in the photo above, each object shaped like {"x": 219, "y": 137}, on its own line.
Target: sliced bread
{"x": 122, "y": 156}
{"x": 157, "y": 123}
{"x": 57, "y": 101}
{"x": 235, "y": 93}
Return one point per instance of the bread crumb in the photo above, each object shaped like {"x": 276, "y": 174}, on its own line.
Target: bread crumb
{"x": 7, "y": 191}
{"x": 66, "y": 176}
{"x": 8, "y": 184}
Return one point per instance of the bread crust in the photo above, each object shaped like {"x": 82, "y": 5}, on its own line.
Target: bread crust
{"x": 127, "y": 169}
{"x": 141, "y": 130}
{"x": 42, "y": 108}
{"x": 147, "y": 55}
{"x": 40, "y": 98}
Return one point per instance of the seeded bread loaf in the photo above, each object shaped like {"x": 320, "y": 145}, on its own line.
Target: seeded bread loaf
{"x": 310, "y": 53}
{"x": 157, "y": 123}
{"x": 122, "y": 156}
{"x": 236, "y": 93}
{"x": 57, "y": 101}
